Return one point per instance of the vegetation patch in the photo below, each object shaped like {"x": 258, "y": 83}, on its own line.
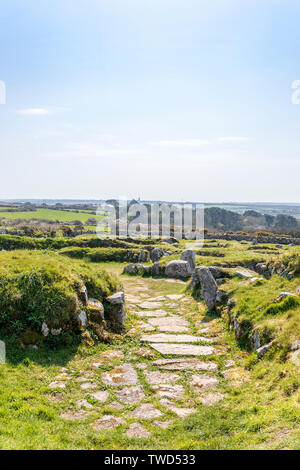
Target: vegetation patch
{"x": 44, "y": 287}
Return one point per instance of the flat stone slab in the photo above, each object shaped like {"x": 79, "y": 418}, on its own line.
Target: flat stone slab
{"x": 153, "y": 313}
{"x": 164, "y": 338}
{"x": 203, "y": 382}
{"x": 160, "y": 298}
{"x": 145, "y": 326}
{"x": 107, "y": 422}
{"x": 169, "y": 391}
{"x": 137, "y": 431}
{"x": 106, "y": 358}
{"x": 150, "y": 305}
{"x": 162, "y": 424}
{"x": 144, "y": 352}
{"x": 131, "y": 395}
{"x": 174, "y": 296}
{"x": 245, "y": 273}
{"x": 185, "y": 364}
{"x": 182, "y": 412}
{"x": 57, "y": 384}
{"x": 210, "y": 399}
{"x": 146, "y": 411}
{"x": 121, "y": 375}
{"x": 156, "y": 377}
{"x": 172, "y": 324}
{"x": 115, "y": 405}
{"x": 182, "y": 349}
{"x": 88, "y": 386}
{"x": 101, "y": 396}
{"x": 83, "y": 404}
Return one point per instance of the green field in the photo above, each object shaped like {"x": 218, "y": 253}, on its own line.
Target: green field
{"x": 49, "y": 214}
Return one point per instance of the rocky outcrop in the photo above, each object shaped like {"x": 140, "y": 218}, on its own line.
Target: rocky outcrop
{"x": 189, "y": 256}
{"x": 238, "y": 329}
{"x": 156, "y": 254}
{"x": 116, "y": 313}
{"x": 208, "y": 285}
{"x": 96, "y": 310}
{"x": 255, "y": 340}
{"x": 264, "y": 349}
{"x": 144, "y": 256}
{"x": 178, "y": 269}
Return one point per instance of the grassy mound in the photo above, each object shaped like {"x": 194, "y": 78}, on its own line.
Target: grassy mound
{"x": 40, "y": 286}
{"x": 99, "y": 254}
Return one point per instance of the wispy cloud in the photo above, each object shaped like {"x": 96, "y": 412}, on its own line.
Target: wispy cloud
{"x": 181, "y": 143}
{"x": 232, "y": 139}
{"x": 38, "y": 111}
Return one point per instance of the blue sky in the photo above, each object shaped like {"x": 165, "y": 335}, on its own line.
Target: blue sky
{"x": 162, "y": 99}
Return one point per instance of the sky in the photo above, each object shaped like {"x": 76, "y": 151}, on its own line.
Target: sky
{"x": 158, "y": 99}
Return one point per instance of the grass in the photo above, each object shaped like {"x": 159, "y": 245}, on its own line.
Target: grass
{"x": 260, "y": 413}
{"x": 43, "y": 287}
{"x": 50, "y": 214}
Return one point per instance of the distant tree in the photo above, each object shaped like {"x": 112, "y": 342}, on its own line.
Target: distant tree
{"x": 252, "y": 213}
{"x": 269, "y": 220}
{"x": 288, "y": 221}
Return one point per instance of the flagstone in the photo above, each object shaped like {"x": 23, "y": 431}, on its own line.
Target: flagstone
{"x": 112, "y": 355}
{"x": 162, "y": 424}
{"x": 101, "y": 396}
{"x": 63, "y": 376}
{"x": 146, "y": 411}
{"x": 183, "y": 364}
{"x": 182, "y": 349}
{"x": 150, "y": 305}
{"x": 83, "y": 404}
{"x": 145, "y": 326}
{"x": 169, "y": 391}
{"x": 107, "y": 422}
{"x": 57, "y": 384}
{"x": 145, "y": 352}
{"x": 131, "y": 395}
{"x": 183, "y": 412}
{"x": 202, "y": 382}
{"x": 210, "y": 399}
{"x": 141, "y": 365}
{"x": 114, "y": 405}
{"x": 136, "y": 430}
{"x": 174, "y": 296}
{"x": 156, "y": 377}
{"x": 121, "y": 375}
{"x": 164, "y": 338}
{"x": 153, "y": 313}
{"x": 88, "y": 386}
{"x": 172, "y": 324}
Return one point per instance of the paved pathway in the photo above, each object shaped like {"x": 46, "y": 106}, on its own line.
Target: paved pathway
{"x": 171, "y": 370}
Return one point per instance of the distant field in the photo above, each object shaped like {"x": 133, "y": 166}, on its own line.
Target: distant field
{"x": 50, "y": 214}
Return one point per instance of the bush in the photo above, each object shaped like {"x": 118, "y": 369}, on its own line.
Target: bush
{"x": 37, "y": 287}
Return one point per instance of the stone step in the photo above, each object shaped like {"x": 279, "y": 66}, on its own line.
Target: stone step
{"x": 185, "y": 364}
{"x": 182, "y": 349}
{"x": 169, "y": 338}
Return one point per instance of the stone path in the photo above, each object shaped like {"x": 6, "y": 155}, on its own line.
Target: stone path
{"x": 170, "y": 374}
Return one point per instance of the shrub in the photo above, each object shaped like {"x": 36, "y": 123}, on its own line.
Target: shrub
{"x": 37, "y": 287}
